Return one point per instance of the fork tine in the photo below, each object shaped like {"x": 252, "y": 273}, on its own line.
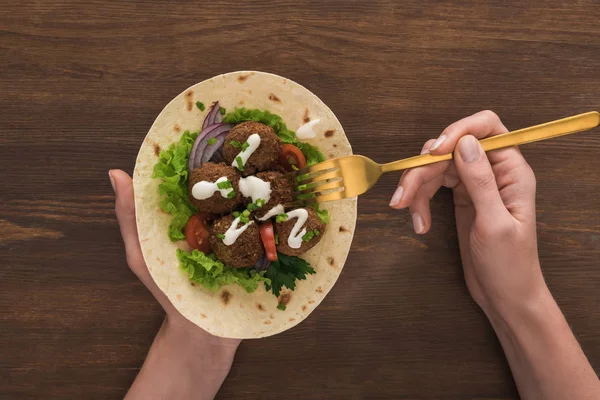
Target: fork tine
{"x": 330, "y": 196}
{"x": 322, "y": 166}
{"x": 319, "y": 187}
{"x": 320, "y": 176}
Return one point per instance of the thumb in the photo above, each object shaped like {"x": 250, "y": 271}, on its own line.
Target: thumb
{"x": 125, "y": 210}
{"x": 477, "y": 176}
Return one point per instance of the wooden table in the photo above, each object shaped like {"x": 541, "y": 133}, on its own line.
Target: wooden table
{"x": 82, "y": 81}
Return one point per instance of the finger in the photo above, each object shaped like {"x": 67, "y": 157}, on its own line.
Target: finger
{"x": 420, "y": 209}
{"x": 125, "y": 210}
{"x": 481, "y": 125}
{"x": 412, "y": 180}
{"x": 477, "y": 176}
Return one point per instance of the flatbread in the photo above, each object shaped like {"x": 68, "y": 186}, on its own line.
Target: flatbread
{"x": 231, "y": 312}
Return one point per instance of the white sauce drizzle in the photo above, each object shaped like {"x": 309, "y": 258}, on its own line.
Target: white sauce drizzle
{"x": 234, "y": 232}
{"x": 253, "y": 143}
{"x": 306, "y": 131}
{"x": 255, "y": 188}
{"x": 295, "y": 238}
{"x": 278, "y": 209}
{"x": 203, "y": 190}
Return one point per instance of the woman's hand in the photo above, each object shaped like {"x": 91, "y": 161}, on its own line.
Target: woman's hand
{"x": 184, "y": 361}
{"x": 494, "y": 198}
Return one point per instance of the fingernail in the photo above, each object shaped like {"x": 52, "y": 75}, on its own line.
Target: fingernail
{"x": 469, "y": 149}
{"x": 418, "y": 223}
{"x": 112, "y": 181}
{"x": 396, "y": 197}
{"x": 438, "y": 142}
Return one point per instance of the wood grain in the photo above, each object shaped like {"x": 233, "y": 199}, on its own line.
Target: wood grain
{"x": 82, "y": 81}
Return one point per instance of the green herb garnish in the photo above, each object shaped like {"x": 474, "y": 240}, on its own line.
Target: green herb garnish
{"x": 224, "y": 185}
{"x": 220, "y": 236}
{"x": 260, "y": 202}
{"x": 240, "y": 164}
{"x": 252, "y": 207}
{"x": 212, "y": 141}
{"x": 236, "y": 214}
{"x": 285, "y": 271}
{"x": 231, "y": 195}
{"x": 276, "y": 239}
{"x": 200, "y": 105}
{"x": 322, "y": 214}
{"x": 222, "y": 110}
{"x": 281, "y": 218}
{"x": 245, "y": 145}
{"x": 308, "y": 235}
{"x": 281, "y": 306}
{"x": 235, "y": 144}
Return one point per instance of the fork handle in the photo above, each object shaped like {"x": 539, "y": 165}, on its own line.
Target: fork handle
{"x": 560, "y": 127}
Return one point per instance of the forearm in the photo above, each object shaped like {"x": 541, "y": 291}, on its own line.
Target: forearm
{"x": 544, "y": 356}
{"x": 180, "y": 367}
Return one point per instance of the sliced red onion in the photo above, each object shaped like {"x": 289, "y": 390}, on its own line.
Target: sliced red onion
{"x": 218, "y": 156}
{"x": 262, "y": 264}
{"x": 201, "y": 135}
{"x": 211, "y": 117}
{"x": 220, "y": 129}
{"x": 213, "y": 148}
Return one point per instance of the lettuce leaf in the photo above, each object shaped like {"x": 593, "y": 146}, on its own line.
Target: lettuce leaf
{"x": 239, "y": 115}
{"x": 208, "y": 271}
{"x": 171, "y": 168}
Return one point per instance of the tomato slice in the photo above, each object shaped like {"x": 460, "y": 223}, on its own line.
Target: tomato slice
{"x": 291, "y": 157}
{"x": 196, "y": 232}
{"x": 268, "y": 238}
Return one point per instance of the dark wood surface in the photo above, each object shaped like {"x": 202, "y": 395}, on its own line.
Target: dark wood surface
{"x": 82, "y": 81}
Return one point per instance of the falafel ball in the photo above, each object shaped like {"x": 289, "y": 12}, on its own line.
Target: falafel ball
{"x": 216, "y": 204}
{"x": 313, "y": 224}
{"x": 282, "y": 191}
{"x": 265, "y": 155}
{"x": 244, "y": 252}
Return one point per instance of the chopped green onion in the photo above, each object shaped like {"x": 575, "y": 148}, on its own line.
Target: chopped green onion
{"x": 236, "y": 214}
{"x": 212, "y": 141}
{"x": 220, "y": 236}
{"x": 245, "y": 145}
{"x": 231, "y": 195}
{"x": 222, "y": 110}
{"x": 252, "y": 207}
{"x": 240, "y": 164}
{"x": 200, "y": 105}
{"x": 224, "y": 185}
{"x": 310, "y": 234}
{"x": 260, "y": 202}
{"x": 281, "y": 306}
{"x": 276, "y": 239}
{"x": 281, "y": 218}
{"x": 246, "y": 213}
{"x": 294, "y": 167}
{"x": 236, "y": 144}
{"x": 244, "y": 219}
{"x": 307, "y": 236}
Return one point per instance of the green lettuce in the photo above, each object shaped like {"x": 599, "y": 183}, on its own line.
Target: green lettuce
{"x": 172, "y": 169}
{"x": 239, "y": 115}
{"x": 208, "y": 271}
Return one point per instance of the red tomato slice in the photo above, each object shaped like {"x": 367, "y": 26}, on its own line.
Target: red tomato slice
{"x": 196, "y": 232}
{"x": 268, "y": 238}
{"x": 291, "y": 155}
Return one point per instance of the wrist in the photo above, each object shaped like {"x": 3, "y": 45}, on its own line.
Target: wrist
{"x": 511, "y": 315}
{"x": 189, "y": 341}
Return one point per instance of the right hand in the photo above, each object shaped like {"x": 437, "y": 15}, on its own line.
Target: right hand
{"x": 494, "y": 199}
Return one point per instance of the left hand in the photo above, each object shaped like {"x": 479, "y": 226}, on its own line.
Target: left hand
{"x": 125, "y": 210}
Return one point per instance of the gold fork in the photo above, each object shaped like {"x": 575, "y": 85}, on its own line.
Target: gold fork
{"x": 351, "y": 176}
